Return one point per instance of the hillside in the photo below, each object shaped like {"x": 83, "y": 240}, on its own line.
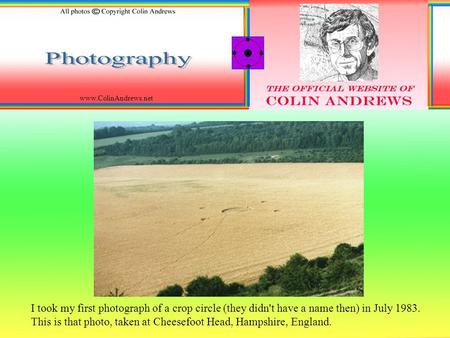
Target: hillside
{"x": 246, "y": 142}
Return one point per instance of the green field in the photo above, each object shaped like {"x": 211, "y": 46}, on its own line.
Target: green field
{"x": 119, "y": 139}
{"x": 301, "y": 155}
{"x": 110, "y": 161}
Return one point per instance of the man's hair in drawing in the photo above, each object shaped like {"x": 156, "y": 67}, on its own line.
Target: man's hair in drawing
{"x": 343, "y": 18}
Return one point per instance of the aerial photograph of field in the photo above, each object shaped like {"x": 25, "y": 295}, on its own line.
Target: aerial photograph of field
{"x": 228, "y": 209}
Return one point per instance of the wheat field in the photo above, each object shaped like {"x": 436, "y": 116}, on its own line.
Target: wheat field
{"x": 164, "y": 224}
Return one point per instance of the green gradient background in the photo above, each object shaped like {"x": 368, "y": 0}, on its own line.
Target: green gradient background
{"x": 47, "y": 221}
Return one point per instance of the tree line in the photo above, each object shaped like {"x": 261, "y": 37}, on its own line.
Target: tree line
{"x": 245, "y": 138}
{"x": 114, "y": 131}
{"x": 107, "y": 132}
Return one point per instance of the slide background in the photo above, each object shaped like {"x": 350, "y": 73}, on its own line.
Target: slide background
{"x": 46, "y": 221}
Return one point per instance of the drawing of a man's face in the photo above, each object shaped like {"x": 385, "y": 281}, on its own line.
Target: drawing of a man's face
{"x": 350, "y": 40}
{"x": 348, "y": 52}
